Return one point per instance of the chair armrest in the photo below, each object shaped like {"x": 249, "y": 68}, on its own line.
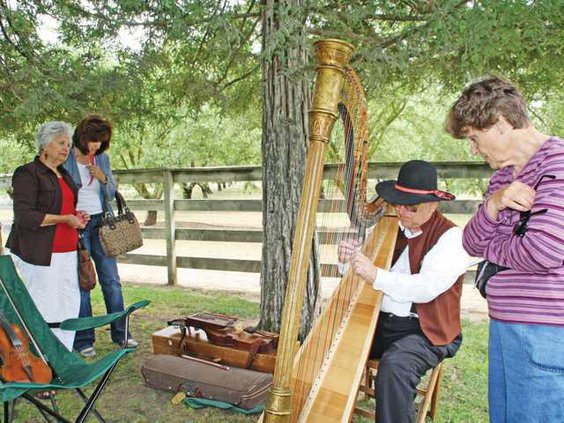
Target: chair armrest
{"x": 82, "y": 323}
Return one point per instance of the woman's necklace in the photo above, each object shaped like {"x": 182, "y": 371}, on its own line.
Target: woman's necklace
{"x": 86, "y": 160}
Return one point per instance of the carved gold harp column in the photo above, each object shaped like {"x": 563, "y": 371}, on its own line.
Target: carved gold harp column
{"x": 332, "y": 56}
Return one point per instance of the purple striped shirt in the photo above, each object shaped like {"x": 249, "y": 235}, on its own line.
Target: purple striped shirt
{"x": 532, "y": 291}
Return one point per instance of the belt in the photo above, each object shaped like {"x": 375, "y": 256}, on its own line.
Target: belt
{"x": 389, "y": 315}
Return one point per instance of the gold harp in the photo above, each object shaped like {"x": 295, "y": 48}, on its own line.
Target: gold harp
{"x": 319, "y": 382}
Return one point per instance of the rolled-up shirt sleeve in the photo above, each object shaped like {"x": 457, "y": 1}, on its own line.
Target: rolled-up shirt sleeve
{"x": 440, "y": 269}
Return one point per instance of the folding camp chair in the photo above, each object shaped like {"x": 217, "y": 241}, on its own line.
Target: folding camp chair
{"x": 70, "y": 371}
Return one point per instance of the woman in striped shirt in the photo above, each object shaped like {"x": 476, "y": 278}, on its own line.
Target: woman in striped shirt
{"x": 520, "y": 226}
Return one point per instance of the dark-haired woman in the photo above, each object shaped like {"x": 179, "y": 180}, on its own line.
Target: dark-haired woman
{"x": 89, "y": 167}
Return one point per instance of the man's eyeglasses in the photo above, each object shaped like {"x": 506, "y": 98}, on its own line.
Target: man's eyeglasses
{"x": 520, "y": 227}
{"x": 412, "y": 209}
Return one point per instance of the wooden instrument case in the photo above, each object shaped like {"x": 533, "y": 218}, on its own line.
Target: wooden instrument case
{"x": 197, "y": 378}
{"x": 169, "y": 341}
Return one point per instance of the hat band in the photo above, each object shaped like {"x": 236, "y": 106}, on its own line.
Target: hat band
{"x": 443, "y": 195}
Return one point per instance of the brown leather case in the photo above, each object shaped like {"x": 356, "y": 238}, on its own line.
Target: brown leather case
{"x": 197, "y": 378}
{"x": 195, "y": 343}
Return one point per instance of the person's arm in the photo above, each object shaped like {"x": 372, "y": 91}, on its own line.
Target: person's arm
{"x": 25, "y": 193}
{"x": 73, "y": 221}
{"x": 26, "y": 213}
{"x": 440, "y": 269}
{"x": 485, "y": 225}
{"x": 481, "y": 228}
{"x": 109, "y": 187}
{"x": 111, "y": 181}
{"x": 479, "y": 231}
{"x": 542, "y": 246}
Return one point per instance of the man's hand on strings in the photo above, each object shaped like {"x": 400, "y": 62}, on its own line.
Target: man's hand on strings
{"x": 346, "y": 249}
{"x": 362, "y": 266}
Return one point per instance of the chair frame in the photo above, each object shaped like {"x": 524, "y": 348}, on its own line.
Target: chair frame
{"x": 430, "y": 393}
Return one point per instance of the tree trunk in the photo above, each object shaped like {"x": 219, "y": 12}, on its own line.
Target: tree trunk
{"x": 286, "y": 99}
{"x": 188, "y": 189}
{"x": 151, "y": 218}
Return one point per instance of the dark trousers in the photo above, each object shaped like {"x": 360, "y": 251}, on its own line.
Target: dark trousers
{"x": 404, "y": 355}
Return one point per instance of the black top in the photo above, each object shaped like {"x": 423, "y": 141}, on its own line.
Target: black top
{"x": 36, "y": 193}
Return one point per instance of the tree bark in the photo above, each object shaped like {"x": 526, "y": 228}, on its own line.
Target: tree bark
{"x": 188, "y": 189}
{"x": 151, "y": 218}
{"x": 286, "y": 99}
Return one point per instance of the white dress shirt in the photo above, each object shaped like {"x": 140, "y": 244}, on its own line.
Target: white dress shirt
{"x": 441, "y": 267}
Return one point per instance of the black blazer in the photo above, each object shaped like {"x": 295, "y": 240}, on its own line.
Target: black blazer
{"x": 36, "y": 193}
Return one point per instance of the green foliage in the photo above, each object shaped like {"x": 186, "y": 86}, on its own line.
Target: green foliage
{"x": 410, "y": 43}
{"x": 417, "y": 131}
{"x": 13, "y": 155}
{"x": 206, "y": 139}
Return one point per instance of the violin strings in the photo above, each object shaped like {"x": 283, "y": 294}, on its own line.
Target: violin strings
{"x": 28, "y": 332}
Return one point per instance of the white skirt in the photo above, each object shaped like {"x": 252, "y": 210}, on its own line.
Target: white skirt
{"x": 54, "y": 290}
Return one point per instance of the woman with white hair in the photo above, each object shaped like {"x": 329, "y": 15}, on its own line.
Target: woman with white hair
{"x": 44, "y": 236}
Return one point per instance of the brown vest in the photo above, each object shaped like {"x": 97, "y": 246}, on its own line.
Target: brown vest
{"x": 439, "y": 318}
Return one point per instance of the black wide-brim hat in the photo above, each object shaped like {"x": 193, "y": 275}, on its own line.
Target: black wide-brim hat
{"x": 417, "y": 183}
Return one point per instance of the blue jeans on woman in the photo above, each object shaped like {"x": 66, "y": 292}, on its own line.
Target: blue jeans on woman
{"x": 108, "y": 277}
{"x": 526, "y": 373}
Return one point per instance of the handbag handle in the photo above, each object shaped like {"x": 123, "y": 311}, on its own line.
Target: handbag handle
{"x": 121, "y": 206}
{"x": 81, "y": 244}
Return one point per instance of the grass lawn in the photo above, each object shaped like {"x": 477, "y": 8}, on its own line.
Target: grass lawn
{"x": 126, "y": 398}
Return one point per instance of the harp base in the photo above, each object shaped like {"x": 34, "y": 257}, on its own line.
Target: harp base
{"x": 278, "y": 408}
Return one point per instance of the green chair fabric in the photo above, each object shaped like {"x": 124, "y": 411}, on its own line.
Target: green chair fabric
{"x": 69, "y": 368}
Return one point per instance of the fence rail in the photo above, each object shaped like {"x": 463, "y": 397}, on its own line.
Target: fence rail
{"x": 169, "y": 205}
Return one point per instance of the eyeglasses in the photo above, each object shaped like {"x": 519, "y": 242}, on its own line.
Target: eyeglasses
{"x": 520, "y": 227}
{"x": 412, "y": 208}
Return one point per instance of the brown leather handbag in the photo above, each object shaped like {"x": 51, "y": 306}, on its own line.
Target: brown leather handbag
{"x": 119, "y": 233}
{"x": 86, "y": 272}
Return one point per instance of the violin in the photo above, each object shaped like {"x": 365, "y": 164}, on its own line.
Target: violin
{"x": 19, "y": 364}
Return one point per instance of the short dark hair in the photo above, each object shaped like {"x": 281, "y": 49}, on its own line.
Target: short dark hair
{"x": 482, "y": 103}
{"x": 92, "y": 128}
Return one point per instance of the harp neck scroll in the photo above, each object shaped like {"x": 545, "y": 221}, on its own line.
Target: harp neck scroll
{"x": 332, "y": 57}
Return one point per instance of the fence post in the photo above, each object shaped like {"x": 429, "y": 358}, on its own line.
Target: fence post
{"x": 170, "y": 232}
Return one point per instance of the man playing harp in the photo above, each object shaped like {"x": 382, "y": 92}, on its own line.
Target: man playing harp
{"x": 419, "y": 321}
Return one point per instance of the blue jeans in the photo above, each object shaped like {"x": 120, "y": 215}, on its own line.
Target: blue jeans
{"x": 526, "y": 373}
{"x": 108, "y": 277}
